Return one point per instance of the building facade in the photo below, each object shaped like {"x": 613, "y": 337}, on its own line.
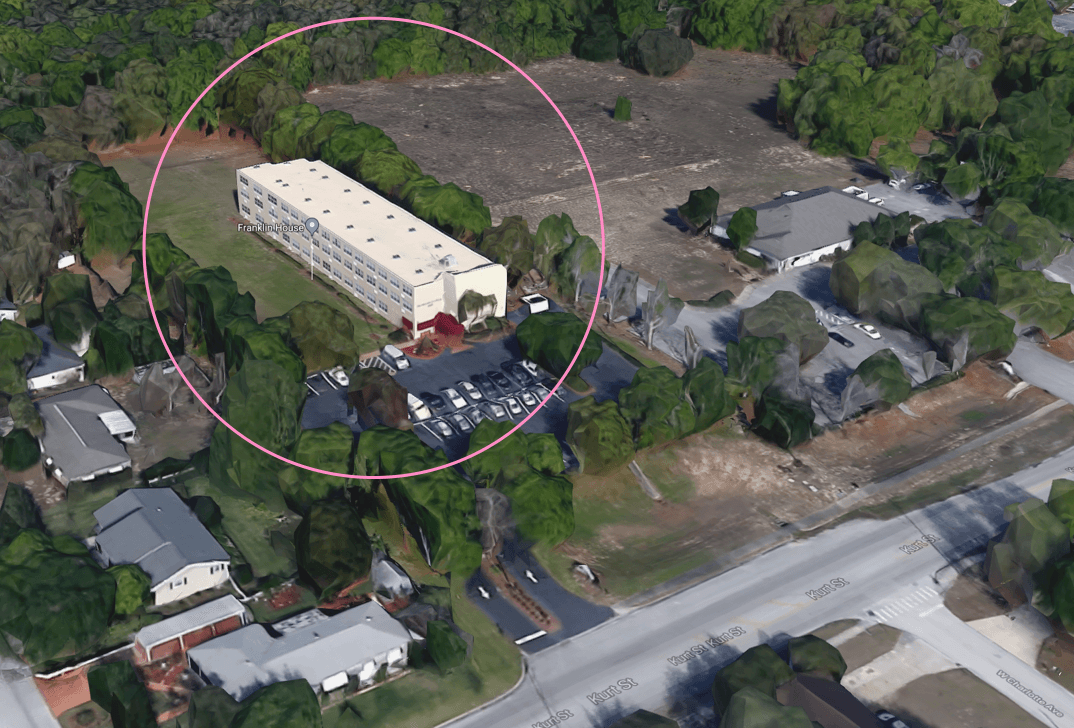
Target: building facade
{"x": 395, "y": 263}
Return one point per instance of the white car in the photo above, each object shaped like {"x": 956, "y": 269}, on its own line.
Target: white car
{"x": 530, "y": 367}
{"x": 890, "y": 720}
{"x": 419, "y": 411}
{"x": 440, "y": 428}
{"x": 471, "y": 391}
{"x": 496, "y": 411}
{"x": 869, "y": 330}
{"x": 513, "y": 406}
{"x": 453, "y": 396}
{"x": 529, "y": 400}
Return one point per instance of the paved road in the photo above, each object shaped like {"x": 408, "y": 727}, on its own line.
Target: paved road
{"x": 1043, "y": 370}
{"x": 630, "y": 662}
{"x": 21, "y": 705}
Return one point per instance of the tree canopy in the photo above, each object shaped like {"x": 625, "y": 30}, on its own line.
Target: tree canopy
{"x": 332, "y": 548}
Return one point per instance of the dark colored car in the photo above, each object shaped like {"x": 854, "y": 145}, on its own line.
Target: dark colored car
{"x": 482, "y": 382}
{"x": 840, "y": 339}
{"x": 518, "y": 372}
{"x": 501, "y": 381}
{"x": 435, "y": 401}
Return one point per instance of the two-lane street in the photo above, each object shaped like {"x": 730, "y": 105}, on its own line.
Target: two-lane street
{"x": 663, "y": 655}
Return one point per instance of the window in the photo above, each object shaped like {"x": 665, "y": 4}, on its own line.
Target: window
{"x": 325, "y": 235}
{"x": 244, "y": 193}
{"x": 257, "y": 190}
{"x": 244, "y": 180}
{"x": 305, "y": 236}
{"x": 272, "y": 211}
{"x": 358, "y": 258}
{"x": 371, "y": 265}
{"x": 395, "y": 282}
{"x": 347, "y": 283}
{"x": 395, "y": 296}
{"x": 337, "y": 257}
{"x": 337, "y": 274}
{"x": 316, "y": 258}
{"x": 335, "y": 242}
{"x": 258, "y": 202}
{"x": 408, "y": 290}
{"x": 272, "y": 199}
{"x": 347, "y": 252}
{"x": 348, "y": 265}
{"x": 286, "y": 238}
{"x": 296, "y": 246}
{"x": 259, "y": 219}
{"x": 326, "y": 265}
{"x": 246, "y": 210}
{"x": 383, "y": 288}
{"x": 284, "y": 208}
{"x": 316, "y": 244}
{"x": 383, "y": 274}
{"x": 358, "y": 272}
{"x": 380, "y": 304}
{"x": 358, "y": 287}
{"x": 407, "y": 306}
{"x": 372, "y": 297}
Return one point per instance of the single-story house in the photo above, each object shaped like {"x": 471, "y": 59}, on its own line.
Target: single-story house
{"x": 8, "y": 310}
{"x": 154, "y": 528}
{"x": 175, "y": 635}
{"x": 826, "y": 702}
{"x": 327, "y": 651}
{"x": 56, "y": 365}
{"x": 800, "y": 229}
{"x": 84, "y": 428}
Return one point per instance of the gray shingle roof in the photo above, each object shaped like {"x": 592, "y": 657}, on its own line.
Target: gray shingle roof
{"x": 242, "y": 661}
{"x": 153, "y": 528}
{"x": 54, "y": 357}
{"x": 791, "y": 226}
{"x": 76, "y": 439}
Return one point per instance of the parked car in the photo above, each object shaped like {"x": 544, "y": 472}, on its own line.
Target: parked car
{"x": 501, "y": 381}
{"x": 441, "y": 428}
{"x": 869, "y": 330}
{"x": 453, "y": 396}
{"x": 483, "y": 383}
{"x": 518, "y": 373}
{"x": 335, "y": 376}
{"x": 461, "y": 423}
{"x": 536, "y": 302}
{"x": 435, "y": 401}
{"x": 419, "y": 411}
{"x": 472, "y": 392}
{"x": 839, "y": 338}
{"x": 396, "y": 358}
{"x": 514, "y": 407}
{"x": 529, "y": 366}
{"x": 495, "y": 411}
{"x": 528, "y": 399}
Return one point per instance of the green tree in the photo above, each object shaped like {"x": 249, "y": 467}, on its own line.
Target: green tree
{"x": 132, "y": 587}
{"x": 705, "y": 388}
{"x": 332, "y": 547}
{"x": 289, "y": 124}
{"x": 622, "y": 109}
{"x": 752, "y": 364}
{"x": 387, "y": 170}
{"x": 347, "y": 143}
{"x": 447, "y": 649}
{"x": 552, "y": 339}
{"x": 758, "y": 667}
{"x": 742, "y": 228}
{"x": 20, "y": 451}
{"x": 18, "y": 511}
{"x": 326, "y": 448}
{"x": 788, "y": 317}
{"x": 599, "y": 435}
{"x": 656, "y": 408}
{"x": 323, "y": 335}
{"x": 964, "y": 328}
{"x": 462, "y": 213}
{"x": 699, "y": 211}
{"x": 813, "y": 656}
{"x": 116, "y": 688}
{"x": 510, "y": 244}
{"x": 281, "y": 705}
{"x": 781, "y": 419}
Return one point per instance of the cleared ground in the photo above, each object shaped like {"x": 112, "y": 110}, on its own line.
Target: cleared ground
{"x": 713, "y": 123}
{"x": 957, "y": 699}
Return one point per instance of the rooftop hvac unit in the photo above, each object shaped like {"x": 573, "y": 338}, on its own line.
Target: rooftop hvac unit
{"x": 448, "y": 260}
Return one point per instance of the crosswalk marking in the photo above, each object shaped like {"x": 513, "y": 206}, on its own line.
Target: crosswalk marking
{"x": 908, "y": 603}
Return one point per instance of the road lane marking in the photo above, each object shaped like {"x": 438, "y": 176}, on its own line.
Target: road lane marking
{"x": 930, "y": 610}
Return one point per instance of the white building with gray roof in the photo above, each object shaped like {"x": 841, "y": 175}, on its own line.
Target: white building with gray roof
{"x": 155, "y": 529}
{"x": 84, "y": 433}
{"x": 326, "y": 651}
{"x": 57, "y": 364}
{"x": 800, "y": 229}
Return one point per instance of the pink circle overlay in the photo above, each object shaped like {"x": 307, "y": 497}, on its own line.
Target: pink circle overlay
{"x": 145, "y": 262}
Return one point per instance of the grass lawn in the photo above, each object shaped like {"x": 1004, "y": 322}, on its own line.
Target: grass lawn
{"x": 73, "y": 516}
{"x": 424, "y": 698}
{"x": 249, "y": 526}
{"x": 194, "y": 204}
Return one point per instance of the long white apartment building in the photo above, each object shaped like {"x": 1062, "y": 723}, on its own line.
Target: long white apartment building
{"x": 401, "y": 266}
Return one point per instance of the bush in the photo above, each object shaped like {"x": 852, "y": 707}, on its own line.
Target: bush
{"x": 622, "y": 109}
{"x": 21, "y": 451}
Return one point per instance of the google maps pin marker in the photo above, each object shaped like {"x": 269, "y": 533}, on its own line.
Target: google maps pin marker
{"x": 312, "y": 225}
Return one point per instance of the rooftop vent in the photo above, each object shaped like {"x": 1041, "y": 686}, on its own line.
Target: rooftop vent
{"x": 419, "y": 270}
{"x": 350, "y": 227}
{"x": 396, "y": 256}
{"x": 438, "y": 245}
{"x": 365, "y": 202}
{"x": 347, "y": 190}
{"x": 448, "y": 260}
{"x": 391, "y": 217}
{"x": 369, "y": 240}
{"x": 313, "y": 169}
{"x": 308, "y": 199}
{"x": 324, "y": 176}
{"x": 411, "y": 230}
{"x": 279, "y": 180}
{"x": 325, "y": 212}
{"x": 286, "y": 185}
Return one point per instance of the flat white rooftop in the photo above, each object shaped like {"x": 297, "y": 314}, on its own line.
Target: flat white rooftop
{"x": 399, "y": 241}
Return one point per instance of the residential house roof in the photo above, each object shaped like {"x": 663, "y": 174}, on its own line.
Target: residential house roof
{"x": 242, "y": 661}
{"x": 6, "y": 305}
{"x": 77, "y": 433}
{"x": 54, "y": 357}
{"x": 186, "y": 622}
{"x": 153, "y": 528}
{"x": 827, "y": 702}
{"x": 791, "y": 226}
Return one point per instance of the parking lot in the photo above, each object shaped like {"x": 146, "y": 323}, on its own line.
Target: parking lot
{"x": 499, "y": 360}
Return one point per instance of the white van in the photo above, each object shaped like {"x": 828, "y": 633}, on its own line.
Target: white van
{"x": 536, "y": 302}
{"x": 419, "y": 411}
{"x": 394, "y": 357}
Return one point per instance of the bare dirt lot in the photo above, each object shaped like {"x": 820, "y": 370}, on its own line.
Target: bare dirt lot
{"x": 957, "y": 699}
{"x": 713, "y": 123}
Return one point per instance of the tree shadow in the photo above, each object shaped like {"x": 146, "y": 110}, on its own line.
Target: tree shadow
{"x": 765, "y": 108}
{"x": 814, "y": 284}
{"x": 725, "y": 329}
{"x": 866, "y": 169}
{"x": 671, "y": 217}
